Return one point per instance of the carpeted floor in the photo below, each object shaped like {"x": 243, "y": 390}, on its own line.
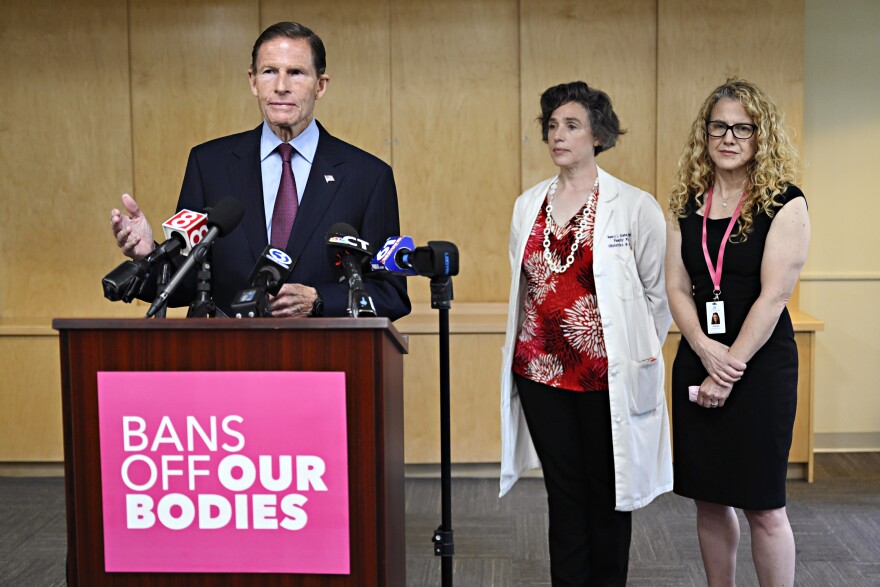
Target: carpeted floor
{"x": 836, "y": 522}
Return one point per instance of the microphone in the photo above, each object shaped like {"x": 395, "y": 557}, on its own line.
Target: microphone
{"x": 438, "y": 259}
{"x": 391, "y": 256}
{"x": 271, "y": 271}
{"x": 190, "y": 227}
{"x": 182, "y": 231}
{"x": 126, "y": 281}
{"x": 222, "y": 219}
{"x": 347, "y": 253}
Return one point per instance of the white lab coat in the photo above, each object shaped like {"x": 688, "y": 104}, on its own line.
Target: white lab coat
{"x": 628, "y": 248}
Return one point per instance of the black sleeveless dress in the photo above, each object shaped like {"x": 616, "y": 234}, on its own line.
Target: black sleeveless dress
{"x": 736, "y": 455}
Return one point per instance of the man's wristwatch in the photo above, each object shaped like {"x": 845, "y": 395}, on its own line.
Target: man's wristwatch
{"x": 317, "y": 306}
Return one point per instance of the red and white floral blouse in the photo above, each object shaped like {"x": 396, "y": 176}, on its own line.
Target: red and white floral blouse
{"x": 561, "y": 343}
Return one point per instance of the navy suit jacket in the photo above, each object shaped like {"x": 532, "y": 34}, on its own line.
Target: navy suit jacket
{"x": 361, "y": 193}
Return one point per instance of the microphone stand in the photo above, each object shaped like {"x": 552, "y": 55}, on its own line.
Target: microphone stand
{"x": 441, "y": 299}
{"x": 203, "y": 306}
{"x": 164, "y": 278}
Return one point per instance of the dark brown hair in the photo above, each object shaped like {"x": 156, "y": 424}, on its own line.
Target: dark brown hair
{"x": 293, "y": 30}
{"x": 603, "y": 120}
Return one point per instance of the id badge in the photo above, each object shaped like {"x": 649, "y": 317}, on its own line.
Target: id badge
{"x": 715, "y": 317}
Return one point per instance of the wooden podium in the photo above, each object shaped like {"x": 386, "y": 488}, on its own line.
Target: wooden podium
{"x": 370, "y": 353}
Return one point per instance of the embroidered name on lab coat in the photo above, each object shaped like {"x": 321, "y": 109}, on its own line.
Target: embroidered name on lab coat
{"x": 618, "y": 240}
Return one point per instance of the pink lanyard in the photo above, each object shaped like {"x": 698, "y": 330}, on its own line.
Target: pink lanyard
{"x": 715, "y": 272}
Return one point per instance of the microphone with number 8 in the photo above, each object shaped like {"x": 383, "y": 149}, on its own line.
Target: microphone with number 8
{"x": 347, "y": 254}
{"x": 183, "y": 231}
{"x": 191, "y": 227}
{"x": 222, "y": 219}
{"x": 271, "y": 272}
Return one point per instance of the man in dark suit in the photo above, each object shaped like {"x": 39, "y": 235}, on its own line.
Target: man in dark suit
{"x": 319, "y": 182}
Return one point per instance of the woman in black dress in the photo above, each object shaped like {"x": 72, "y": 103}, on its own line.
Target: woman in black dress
{"x": 736, "y": 242}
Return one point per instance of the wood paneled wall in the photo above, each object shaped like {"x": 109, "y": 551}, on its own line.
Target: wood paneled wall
{"x": 189, "y": 84}
{"x": 609, "y": 45}
{"x": 104, "y": 97}
{"x": 65, "y": 147}
{"x": 700, "y": 45}
{"x": 454, "y": 70}
{"x": 110, "y": 97}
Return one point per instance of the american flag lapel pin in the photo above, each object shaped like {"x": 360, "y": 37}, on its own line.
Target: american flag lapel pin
{"x": 329, "y": 178}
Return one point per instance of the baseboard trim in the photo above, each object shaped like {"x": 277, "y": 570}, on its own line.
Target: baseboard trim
{"x": 493, "y": 471}
{"x": 839, "y": 276}
{"x": 31, "y": 469}
{"x": 462, "y": 471}
{"x": 846, "y": 442}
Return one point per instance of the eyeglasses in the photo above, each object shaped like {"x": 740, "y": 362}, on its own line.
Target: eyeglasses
{"x": 718, "y": 129}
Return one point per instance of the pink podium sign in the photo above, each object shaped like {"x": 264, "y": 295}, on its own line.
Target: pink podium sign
{"x": 238, "y": 471}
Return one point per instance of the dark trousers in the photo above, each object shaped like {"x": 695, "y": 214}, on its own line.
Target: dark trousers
{"x": 589, "y": 539}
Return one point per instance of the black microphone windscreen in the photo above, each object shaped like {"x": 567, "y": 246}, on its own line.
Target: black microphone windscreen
{"x": 341, "y": 228}
{"x": 272, "y": 259}
{"x": 226, "y": 215}
{"x": 438, "y": 259}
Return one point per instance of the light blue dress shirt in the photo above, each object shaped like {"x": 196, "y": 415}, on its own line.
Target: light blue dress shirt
{"x": 305, "y": 143}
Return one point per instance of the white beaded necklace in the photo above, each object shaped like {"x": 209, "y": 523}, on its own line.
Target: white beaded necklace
{"x": 554, "y": 265}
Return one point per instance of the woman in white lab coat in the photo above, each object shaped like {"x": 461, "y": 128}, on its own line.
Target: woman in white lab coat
{"x": 582, "y": 380}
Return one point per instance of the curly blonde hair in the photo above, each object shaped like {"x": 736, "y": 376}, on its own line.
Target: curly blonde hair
{"x": 771, "y": 170}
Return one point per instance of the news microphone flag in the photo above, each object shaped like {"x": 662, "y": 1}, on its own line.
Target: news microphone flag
{"x": 271, "y": 271}
{"x": 191, "y": 226}
{"x": 224, "y": 217}
{"x": 391, "y": 256}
